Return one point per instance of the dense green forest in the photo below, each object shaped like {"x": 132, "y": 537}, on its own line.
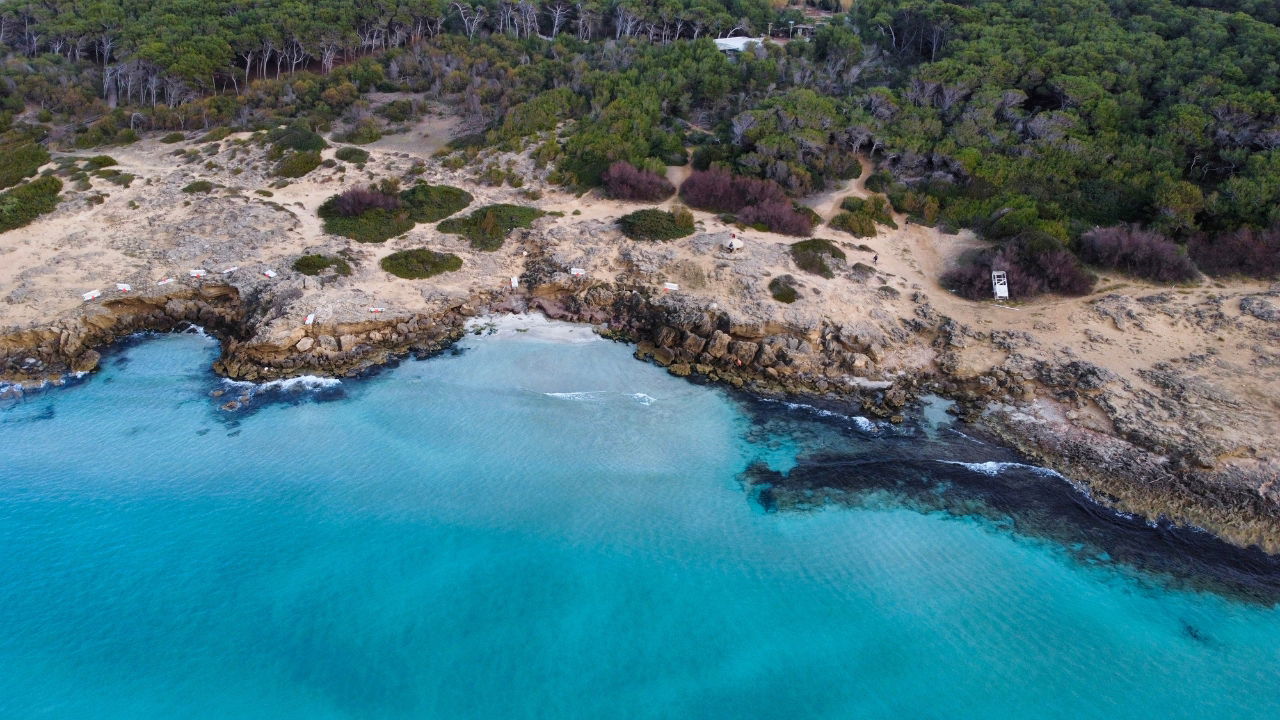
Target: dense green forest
{"x": 1032, "y": 122}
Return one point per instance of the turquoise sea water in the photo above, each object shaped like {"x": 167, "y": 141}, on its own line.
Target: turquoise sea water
{"x": 543, "y": 528}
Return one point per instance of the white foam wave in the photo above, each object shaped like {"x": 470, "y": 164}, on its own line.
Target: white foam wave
{"x": 592, "y": 395}
{"x": 581, "y": 395}
{"x": 991, "y": 468}
{"x": 864, "y": 424}
{"x": 302, "y": 383}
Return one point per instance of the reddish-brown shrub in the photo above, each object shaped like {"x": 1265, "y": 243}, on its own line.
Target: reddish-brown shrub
{"x": 623, "y": 181}
{"x": 721, "y": 191}
{"x": 356, "y": 201}
{"x": 1033, "y": 267}
{"x": 1254, "y": 253}
{"x": 779, "y": 217}
{"x": 1136, "y": 252}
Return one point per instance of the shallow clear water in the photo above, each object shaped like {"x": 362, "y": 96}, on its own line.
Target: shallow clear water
{"x": 539, "y": 528}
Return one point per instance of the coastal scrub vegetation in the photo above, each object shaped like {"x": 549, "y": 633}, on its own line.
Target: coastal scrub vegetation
{"x": 1035, "y": 263}
{"x": 420, "y": 263}
{"x": 353, "y": 155}
{"x": 623, "y": 181}
{"x": 783, "y": 289}
{"x": 369, "y": 214}
{"x": 655, "y": 224}
{"x": 488, "y": 226}
{"x": 996, "y": 115}
{"x": 198, "y": 186}
{"x": 762, "y": 204}
{"x": 859, "y": 216}
{"x": 429, "y": 203}
{"x": 296, "y": 164}
{"x": 18, "y": 162}
{"x": 1247, "y": 252}
{"x": 1137, "y": 252}
{"x": 812, "y": 256}
{"x": 315, "y": 264}
{"x": 22, "y": 204}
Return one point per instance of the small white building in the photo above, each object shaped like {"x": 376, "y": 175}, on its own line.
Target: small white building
{"x": 1000, "y": 284}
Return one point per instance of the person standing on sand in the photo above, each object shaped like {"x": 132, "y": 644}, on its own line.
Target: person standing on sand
{"x": 875, "y": 259}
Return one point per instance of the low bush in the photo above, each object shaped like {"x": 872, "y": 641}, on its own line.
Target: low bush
{"x": 297, "y": 137}
{"x": 719, "y": 190}
{"x": 1035, "y": 263}
{"x": 654, "y": 224}
{"x": 812, "y": 255}
{"x": 420, "y": 263}
{"x": 376, "y": 221}
{"x": 855, "y": 224}
{"x": 875, "y": 207}
{"x": 398, "y": 111}
{"x": 24, "y": 203}
{"x": 783, "y": 289}
{"x": 1248, "y": 252}
{"x": 778, "y": 216}
{"x": 173, "y": 137}
{"x": 488, "y": 226}
{"x": 216, "y": 134}
{"x": 297, "y": 164}
{"x": 623, "y": 181}
{"x": 20, "y": 162}
{"x": 357, "y": 201}
{"x": 1137, "y": 252}
{"x": 352, "y": 155}
{"x": 97, "y": 162}
{"x": 199, "y": 186}
{"x": 429, "y": 203}
{"x": 316, "y": 264}
{"x": 363, "y": 133}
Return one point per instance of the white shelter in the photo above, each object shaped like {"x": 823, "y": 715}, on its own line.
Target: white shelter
{"x": 92, "y": 295}
{"x": 124, "y": 287}
{"x": 670, "y": 287}
{"x": 577, "y": 272}
{"x": 1000, "y": 284}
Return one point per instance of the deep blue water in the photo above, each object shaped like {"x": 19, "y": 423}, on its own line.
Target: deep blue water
{"x": 542, "y": 528}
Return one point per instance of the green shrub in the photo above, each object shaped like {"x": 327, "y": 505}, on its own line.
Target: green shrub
{"x": 365, "y": 131}
{"x": 216, "y": 134}
{"x": 316, "y": 264}
{"x": 783, "y": 289}
{"x": 264, "y": 193}
{"x": 397, "y": 111}
{"x": 429, "y": 203}
{"x": 811, "y": 256}
{"x": 488, "y": 226}
{"x": 374, "y": 225}
{"x": 855, "y": 224}
{"x": 173, "y": 137}
{"x": 24, "y": 203}
{"x": 654, "y": 224}
{"x": 297, "y": 137}
{"x": 20, "y": 162}
{"x": 420, "y": 263}
{"x": 199, "y": 186}
{"x": 297, "y": 164}
{"x": 97, "y": 162}
{"x": 352, "y": 155}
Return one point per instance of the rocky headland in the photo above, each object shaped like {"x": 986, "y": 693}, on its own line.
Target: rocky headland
{"x": 1164, "y": 402}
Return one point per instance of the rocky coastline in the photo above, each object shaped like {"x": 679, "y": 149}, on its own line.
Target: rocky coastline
{"x": 693, "y": 337}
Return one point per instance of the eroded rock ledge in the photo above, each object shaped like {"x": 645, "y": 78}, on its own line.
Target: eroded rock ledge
{"x": 1064, "y": 413}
